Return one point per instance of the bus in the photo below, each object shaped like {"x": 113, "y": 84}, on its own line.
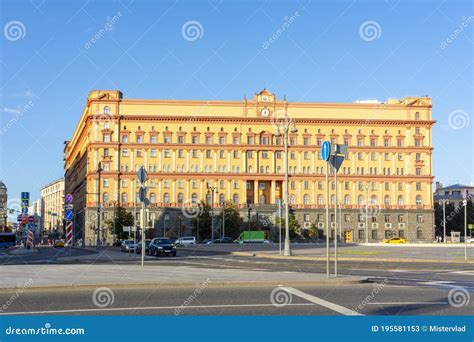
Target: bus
{"x": 7, "y": 240}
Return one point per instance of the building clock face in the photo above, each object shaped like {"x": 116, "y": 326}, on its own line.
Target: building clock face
{"x": 264, "y": 98}
{"x": 265, "y": 112}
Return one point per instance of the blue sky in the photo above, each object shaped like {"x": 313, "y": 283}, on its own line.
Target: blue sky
{"x": 323, "y": 54}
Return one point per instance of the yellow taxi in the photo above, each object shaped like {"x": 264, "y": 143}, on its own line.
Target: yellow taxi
{"x": 58, "y": 243}
{"x": 395, "y": 240}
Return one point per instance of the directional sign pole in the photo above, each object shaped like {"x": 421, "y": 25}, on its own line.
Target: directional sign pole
{"x": 325, "y": 156}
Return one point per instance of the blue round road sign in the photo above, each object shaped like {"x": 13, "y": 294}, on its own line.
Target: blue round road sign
{"x": 325, "y": 150}
{"x": 69, "y": 215}
{"x": 69, "y": 198}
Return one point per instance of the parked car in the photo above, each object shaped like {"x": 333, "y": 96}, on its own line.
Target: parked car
{"x": 117, "y": 243}
{"x": 470, "y": 240}
{"x": 185, "y": 241}
{"x": 395, "y": 240}
{"x": 127, "y": 246}
{"x": 221, "y": 240}
{"x": 138, "y": 246}
{"x": 161, "y": 246}
{"x": 58, "y": 243}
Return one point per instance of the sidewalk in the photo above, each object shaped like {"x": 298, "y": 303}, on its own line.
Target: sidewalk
{"x": 51, "y": 277}
{"x": 426, "y": 253}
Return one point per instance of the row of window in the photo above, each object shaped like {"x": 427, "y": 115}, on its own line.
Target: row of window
{"x": 362, "y": 218}
{"x": 262, "y": 140}
{"x": 166, "y": 198}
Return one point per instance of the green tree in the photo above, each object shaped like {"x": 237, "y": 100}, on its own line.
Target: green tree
{"x": 122, "y": 218}
{"x": 232, "y": 221}
{"x": 454, "y": 217}
{"x": 201, "y": 222}
{"x": 293, "y": 225}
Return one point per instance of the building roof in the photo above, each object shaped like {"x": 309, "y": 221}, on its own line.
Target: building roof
{"x": 456, "y": 186}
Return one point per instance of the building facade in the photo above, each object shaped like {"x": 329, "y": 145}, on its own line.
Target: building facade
{"x": 454, "y": 194}
{"x": 232, "y": 145}
{"x": 51, "y": 206}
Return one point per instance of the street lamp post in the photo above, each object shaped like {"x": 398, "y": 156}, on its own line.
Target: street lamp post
{"x": 248, "y": 216}
{"x": 288, "y": 126}
{"x": 464, "y": 203}
{"x": 99, "y": 170}
{"x": 211, "y": 190}
{"x": 443, "y": 202}
{"x": 223, "y": 219}
{"x": 367, "y": 213}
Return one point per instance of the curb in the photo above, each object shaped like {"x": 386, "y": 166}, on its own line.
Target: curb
{"x": 221, "y": 284}
{"x": 388, "y": 260}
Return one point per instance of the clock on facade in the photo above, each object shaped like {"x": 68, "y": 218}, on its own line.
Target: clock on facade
{"x": 265, "y": 112}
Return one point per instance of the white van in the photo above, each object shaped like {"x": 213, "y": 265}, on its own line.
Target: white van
{"x": 186, "y": 240}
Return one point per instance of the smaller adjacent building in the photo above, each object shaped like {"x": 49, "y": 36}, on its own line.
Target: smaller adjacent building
{"x": 453, "y": 193}
{"x": 51, "y": 203}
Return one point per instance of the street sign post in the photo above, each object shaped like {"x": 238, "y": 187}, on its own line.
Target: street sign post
{"x": 142, "y": 176}
{"x": 69, "y": 198}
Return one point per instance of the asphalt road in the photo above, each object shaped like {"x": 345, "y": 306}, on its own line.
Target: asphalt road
{"x": 366, "y": 299}
{"x": 395, "y": 289}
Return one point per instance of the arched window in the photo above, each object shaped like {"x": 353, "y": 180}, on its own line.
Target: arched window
{"x": 419, "y": 233}
{"x": 373, "y": 200}
{"x": 333, "y": 199}
{"x": 278, "y": 169}
{"x": 166, "y": 198}
{"x": 152, "y": 198}
{"x": 208, "y": 199}
{"x": 262, "y": 169}
{"x": 360, "y": 200}
{"x": 400, "y": 200}
{"x": 347, "y": 200}
{"x": 306, "y": 199}
{"x": 221, "y": 198}
{"x": 267, "y": 169}
{"x": 105, "y": 197}
{"x": 417, "y": 116}
{"x": 194, "y": 198}
{"x": 106, "y": 110}
{"x": 320, "y": 199}
{"x": 236, "y": 199}
{"x": 180, "y": 198}
{"x": 124, "y": 197}
{"x": 387, "y": 201}
{"x": 418, "y": 200}
{"x": 263, "y": 199}
{"x": 292, "y": 199}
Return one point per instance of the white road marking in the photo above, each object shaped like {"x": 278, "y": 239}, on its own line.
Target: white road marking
{"x": 316, "y": 300}
{"x": 180, "y": 307}
{"x": 409, "y": 303}
{"x": 467, "y": 272}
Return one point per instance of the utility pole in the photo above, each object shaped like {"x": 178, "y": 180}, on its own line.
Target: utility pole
{"x": 367, "y": 212}
{"x": 464, "y": 202}
{"x": 211, "y": 190}
{"x": 443, "y": 202}
{"x": 223, "y": 220}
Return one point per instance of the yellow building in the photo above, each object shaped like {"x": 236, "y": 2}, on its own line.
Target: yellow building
{"x": 188, "y": 145}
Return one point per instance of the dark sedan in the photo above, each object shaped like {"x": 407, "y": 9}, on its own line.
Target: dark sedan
{"x": 138, "y": 247}
{"x": 161, "y": 246}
